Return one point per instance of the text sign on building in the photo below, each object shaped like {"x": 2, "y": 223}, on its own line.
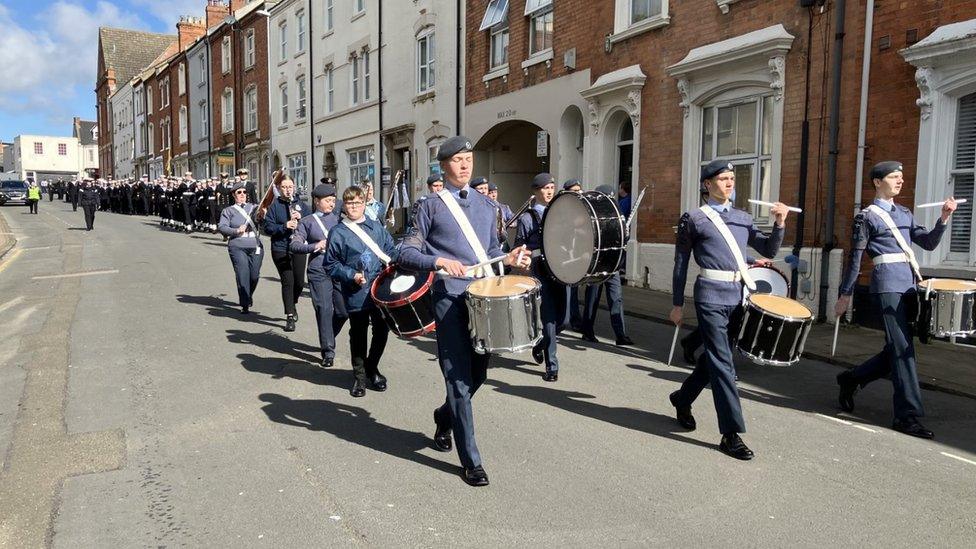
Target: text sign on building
{"x": 542, "y": 143}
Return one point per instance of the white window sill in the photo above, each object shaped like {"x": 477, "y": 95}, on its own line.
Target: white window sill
{"x": 282, "y": 62}
{"x": 424, "y": 96}
{"x": 496, "y": 73}
{"x": 328, "y": 33}
{"x": 299, "y": 54}
{"x": 537, "y": 58}
{"x": 357, "y": 15}
{"x": 640, "y": 28}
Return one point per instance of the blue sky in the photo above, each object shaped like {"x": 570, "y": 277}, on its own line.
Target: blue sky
{"x": 48, "y": 56}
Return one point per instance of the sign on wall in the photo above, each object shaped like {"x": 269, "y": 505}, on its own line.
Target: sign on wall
{"x": 542, "y": 143}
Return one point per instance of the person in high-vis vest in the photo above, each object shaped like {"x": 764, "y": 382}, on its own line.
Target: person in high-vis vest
{"x": 886, "y": 231}
{"x": 33, "y": 197}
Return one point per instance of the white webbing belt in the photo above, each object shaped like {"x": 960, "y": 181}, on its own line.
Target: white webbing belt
{"x": 889, "y": 258}
{"x": 253, "y": 233}
{"x": 369, "y": 242}
{"x": 733, "y": 246}
{"x": 898, "y": 238}
{"x": 325, "y": 231}
{"x": 467, "y": 230}
{"x": 723, "y": 276}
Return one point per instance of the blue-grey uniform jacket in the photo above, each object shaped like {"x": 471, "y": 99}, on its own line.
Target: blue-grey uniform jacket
{"x": 347, "y": 255}
{"x": 438, "y": 235}
{"x": 698, "y": 235}
{"x": 279, "y": 213}
{"x": 231, "y": 220}
{"x": 530, "y": 228}
{"x": 308, "y": 234}
{"x": 873, "y": 235}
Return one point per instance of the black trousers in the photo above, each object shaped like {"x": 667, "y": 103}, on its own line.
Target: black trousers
{"x": 291, "y": 271}
{"x": 366, "y": 362}
{"x": 89, "y": 216}
{"x": 32, "y": 205}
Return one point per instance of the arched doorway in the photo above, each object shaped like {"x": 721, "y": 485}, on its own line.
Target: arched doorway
{"x": 506, "y": 155}
{"x": 625, "y": 152}
{"x": 571, "y": 134}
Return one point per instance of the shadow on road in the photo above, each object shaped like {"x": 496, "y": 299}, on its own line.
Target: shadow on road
{"x": 355, "y": 425}
{"x": 222, "y": 308}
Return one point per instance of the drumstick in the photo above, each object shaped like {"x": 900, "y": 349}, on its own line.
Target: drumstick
{"x": 770, "y": 204}
{"x": 499, "y": 259}
{"x": 674, "y": 341}
{"x": 833, "y": 346}
{"x": 633, "y": 209}
{"x": 934, "y": 204}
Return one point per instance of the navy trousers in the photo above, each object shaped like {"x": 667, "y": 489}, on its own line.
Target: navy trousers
{"x": 464, "y": 372}
{"x": 324, "y": 303}
{"x": 247, "y": 271}
{"x": 575, "y": 320}
{"x": 366, "y": 359}
{"x": 898, "y": 356}
{"x": 718, "y": 324}
{"x": 615, "y": 302}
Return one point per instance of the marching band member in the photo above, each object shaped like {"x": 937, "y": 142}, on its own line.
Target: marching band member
{"x": 886, "y": 230}
{"x": 480, "y": 184}
{"x": 435, "y": 183}
{"x": 280, "y": 221}
{"x": 717, "y": 234}
{"x": 243, "y": 246}
{"x": 456, "y": 228}
{"x": 358, "y": 250}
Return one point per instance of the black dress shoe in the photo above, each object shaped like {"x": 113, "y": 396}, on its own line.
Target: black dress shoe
{"x": 537, "y": 355}
{"x": 551, "y": 377}
{"x": 327, "y": 362}
{"x": 912, "y": 427}
{"x": 290, "y": 324}
{"x": 848, "y": 388}
{"x": 589, "y": 337}
{"x": 689, "y": 353}
{"x": 378, "y": 382}
{"x": 683, "y": 415}
{"x": 476, "y": 476}
{"x": 245, "y": 310}
{"x": 732, "y": 445}
{"x": 358, "y": 389}
{"x": 442, "y": 436}
{"x": 621, "y": 341}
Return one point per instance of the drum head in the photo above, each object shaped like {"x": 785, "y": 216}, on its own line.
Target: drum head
{"x": 769, "y": 280}
{"x": 395, "y": 284}
{"x": 503, "y": 286}
{"x": 781, "y": 306}
{"x": 947, "y": 285}
{"x": 568, "y": 239}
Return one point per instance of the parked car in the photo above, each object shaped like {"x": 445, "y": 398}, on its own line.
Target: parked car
{"x": 13, "y": 192}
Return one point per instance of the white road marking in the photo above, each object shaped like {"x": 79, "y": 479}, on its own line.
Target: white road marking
{"x": 11, "y": 303}
{"x": 72, "y": 275}
{"x": 863, "y": 428}
{"x": 962, "y": 459}
{"x": 837, "y": 419}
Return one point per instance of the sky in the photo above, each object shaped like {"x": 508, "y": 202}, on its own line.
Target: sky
{"x": 48, "y": 56}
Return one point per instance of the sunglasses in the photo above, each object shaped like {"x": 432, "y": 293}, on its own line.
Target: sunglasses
{"x": 240, "y": 192}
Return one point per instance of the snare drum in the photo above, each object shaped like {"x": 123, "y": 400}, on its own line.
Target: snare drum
{"x": 774, "y": 330}
{"x": 404, "y": 299}
{"x": 582, "y": 238}
{"x": 504, "y": 313}
{"x": 948, "y": 306}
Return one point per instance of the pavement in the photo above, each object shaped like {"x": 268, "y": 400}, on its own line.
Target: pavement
{"x": 139, "y": 408}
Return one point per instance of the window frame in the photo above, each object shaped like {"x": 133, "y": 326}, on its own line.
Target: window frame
{"x": 542, "y": 13}
{"x": 62, "y": 149}
{"x": 250, "y": 49}
{"x": 301, "y": 31}
{"x": 204, "y": 119}
{"x": 183, "y": 125}
{"x": 251, "y": 114}
{"x": 225, "y": 55}
{"x": 426, "y": 72}
{"x": 164, "y": 93}
{"x": 357, "y": 167}
{"x": 496, "y": 13}
{"x": 283, "y": 105}
{"x": 354, "y": 82}
{"x": 227, "y": 111}
{"x": 330, "y": 88}
{"x": 359, "y": 7}
{"x": 283, "y": 40}
{"x": 301, "y": 97}
{"x": 299, "y": 177}
{"x": 329, "y": 15}
{"x": 967, "y": 258}
{"x": 181, "y": 79}
{"x": 499, "y": 30}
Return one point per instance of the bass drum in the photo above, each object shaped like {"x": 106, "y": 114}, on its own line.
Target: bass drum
{"x": 404, "y": 299}
{"x": 582, "y": 238}
{"x": 769, "y": 280}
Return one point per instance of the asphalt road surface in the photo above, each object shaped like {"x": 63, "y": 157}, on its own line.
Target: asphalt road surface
{"x": 139, "y": 408}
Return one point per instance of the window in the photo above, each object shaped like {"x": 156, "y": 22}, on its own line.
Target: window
{"x": 227, "y": 111}
{"x": 533, "y": 6}
{"x": 149, "y": 99}
{"x": 151, "y": 139}
{"x": 355, "y": 80}
{"x": 329, "y": 14}
{"x": 495, "y": 14}
{"x": 164, "y": 130}
{"x": 499, "y": 47}
{"x": 962, "y": 246}
{"x": 38, "y": 147}
{"x": 540, "y": 31}
{"x": 284, "y": 103}
{"x": 433, "y": 165}
{"x": 366, "y": 75}
{"x": 741, "y": 131}
{"x": 225, "y": 55}
{"x": 164, "y": 93}
{"x": 181, "y": 78}
{"x": 300, "y": 37}
{"x": 300, "y": 108}
{"x": 283, "y": 41}
{"x": 360, "y": 165}
{"x": 296, "y": 169}
{"x": 329, "y": 89}
{"x": 138, "y": 102}
{"x": 643, "y": 9}
{"x": 251, "y": 110}
{"x": 425, "y": 63}
{"x": 62, "y": 149}
{"x": 142, "y": 138}
{"x": 204, "y": 120}
{"x": 202, "y": 59}
{"x": 360, "y": 6}
{"x": 249, "y": 55}
{"x": 182, "y": 123}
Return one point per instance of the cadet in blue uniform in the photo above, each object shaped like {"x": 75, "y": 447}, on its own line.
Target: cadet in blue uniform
{"x": 279, "y": 222}
{"x": 554, "y": 294}
{"x": 311, "y": 237}
{"x": 243, "y": 245}
{"x": 440, "y": 243}
{"x": 893, "y": 287}
{"x": 435, "y": 183}
{"x": 615, "y": 301}
{"x": 718, "y": 295}
{"x": 354, "y": 264}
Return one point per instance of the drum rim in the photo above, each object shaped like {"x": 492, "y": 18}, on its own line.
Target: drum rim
{"x": 535, "y": 289}
{"x": 778, "y": 270}
{"x": 597, "y": 250}
{"x": 767, "y": 362}
{"x": 775, "y": 314}
{"x": 424, "y": 288}
{"x": 928, "y": 291}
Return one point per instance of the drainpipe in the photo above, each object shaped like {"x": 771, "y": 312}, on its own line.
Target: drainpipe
{"x": 310, "y": 104}
{"x": 804, "y": 161}
{"x": 863, "y": 115}
{"x": 209, "y": 110}
{"x": 379, "y": 82}
{"x": 457, "y": 72}
{"x": 834, "y": 130}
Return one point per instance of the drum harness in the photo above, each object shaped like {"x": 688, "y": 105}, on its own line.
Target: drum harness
{"x": 908, "y": 255}
{"x": 727, "y": 276}
{"x": 467, "y": 230}
{"x": 254, "y": 230}
{"x": 369, "y": 242}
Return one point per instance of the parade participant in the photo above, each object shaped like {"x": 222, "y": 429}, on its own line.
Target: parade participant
{"x": 311, "y": 237}
{"x": 575, "y": 319}
{"x": 454, "y": 229}
{"x": 375, "y": 209}
{"x": 480, "y": 184}
{"x": 252, "y": 192}
{"x": 358, "y": 250}
{"x": 74, "y": 192}
{"x": 33, "y": 197}
{"x": 279, "y": 223}
{"x": 624, "y": 200}
{"x": 717, "y": 234}
{"x": 89, "y": 203}
{"x": 554, "y": 294}
{"x": 435, "y": 183}
{"x": 187, "y": 198}
{"x": 50, "y": 191}
{"x": 243, "y": 245}
{"x": 886, "y": 231}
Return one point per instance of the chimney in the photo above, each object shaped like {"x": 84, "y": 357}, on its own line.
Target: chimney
{"x": 189, "y": 29}
{"x": 238, "y": 4}
{"x": 217, "y": 11}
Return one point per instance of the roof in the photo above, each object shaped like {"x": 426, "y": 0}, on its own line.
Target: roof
{"x": 84, "y": 128}
{"x": 130, "y": 51}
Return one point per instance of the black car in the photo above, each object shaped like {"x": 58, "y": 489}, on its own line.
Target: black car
{"x": 13, "y": 192}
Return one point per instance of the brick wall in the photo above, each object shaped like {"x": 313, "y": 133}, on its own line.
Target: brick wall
{"x": 256, "y": 76}
{"x": 176, "y": 102}
{"x": 221, "y": 137}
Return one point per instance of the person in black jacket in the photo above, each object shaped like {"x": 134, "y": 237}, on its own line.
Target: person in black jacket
{"x": 89, "y": 202}
{"x": 280, "y": 222}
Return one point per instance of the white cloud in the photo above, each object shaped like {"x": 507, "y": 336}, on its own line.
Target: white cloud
{"x": 170, "y": 12}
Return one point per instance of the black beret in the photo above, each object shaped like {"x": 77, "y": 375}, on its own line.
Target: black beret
{"x": 327, "y": 180}
{"x": 605, "y": 189}
{"x": 323, "y": 190}
{"x": 434, "y": 178}
{"x": 452, "y": 146}
{"x": 572, "y": 183}
{"x": 478, "y": 181}
{"x": 541, "y": 180}
{"x": 238, "y": 186}
{"x": 715, "y": 167}
{"x": 224, "y": 174}
{"x": 882, "y": 169}
{"x": 492, "y": 187}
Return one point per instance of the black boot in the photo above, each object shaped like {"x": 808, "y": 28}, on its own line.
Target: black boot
{"x": 290, "y": 323}
{"x": 848, "y": 388}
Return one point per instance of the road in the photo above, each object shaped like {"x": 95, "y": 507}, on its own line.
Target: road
{"x": 139, "y": 408}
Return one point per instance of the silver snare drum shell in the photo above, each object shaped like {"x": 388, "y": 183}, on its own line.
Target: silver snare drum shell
{"x": 505, "y": 323}
{"x": 951, "y": 304}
